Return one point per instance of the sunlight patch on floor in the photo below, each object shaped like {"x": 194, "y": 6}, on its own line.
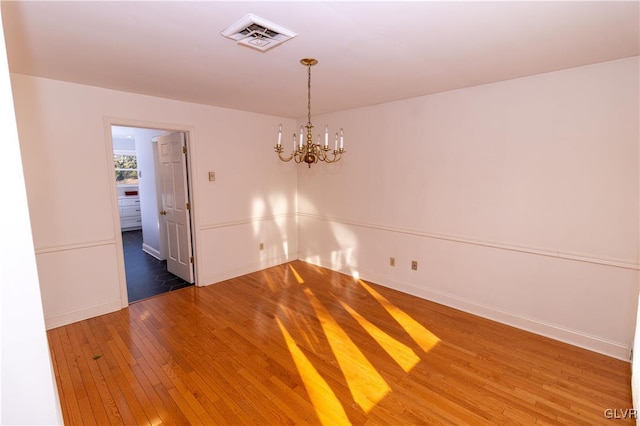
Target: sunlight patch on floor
{"x": 401, "y": 353}
{"x": 297, "y": 275}
{"x": 423, "y": 337}
{"x": 300, "y": 323}
{"x": 326, "y": 404}
{"x": 365, "y": 383}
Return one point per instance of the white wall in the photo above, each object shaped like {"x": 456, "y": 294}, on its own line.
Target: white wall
{"x": 519, "y": 200}
{"x": 147, "y": 190}
{"x": 28, "y": 393}
{"x": 63, "y": 129}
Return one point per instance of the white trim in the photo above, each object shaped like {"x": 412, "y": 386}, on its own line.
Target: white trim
{"x": 82, "y": 314}
{"x": 496, "y": 245}
{"x": 576, "y": 338}
{"x": 115, "y": 209}
{"x": 573, "y": 337}
{"x": 247, "y": 221}
{"x": 151, "y": 251}
{"x": 76, "y": 246}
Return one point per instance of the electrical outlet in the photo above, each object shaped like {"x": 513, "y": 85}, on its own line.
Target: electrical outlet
{"x": 392, "y": 261}
{"x": 414, "y": 265}
{"x": 261, "y": 246}
{"x": 212, "y": 176}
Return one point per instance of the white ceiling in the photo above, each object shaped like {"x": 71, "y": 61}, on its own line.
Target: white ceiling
{"x": 368, "y": 52}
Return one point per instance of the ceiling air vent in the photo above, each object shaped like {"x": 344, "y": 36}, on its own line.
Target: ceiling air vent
{"x": 258, "y": 33}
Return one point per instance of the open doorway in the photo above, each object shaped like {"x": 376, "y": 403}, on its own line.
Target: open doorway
{"x": 144, "y": 195}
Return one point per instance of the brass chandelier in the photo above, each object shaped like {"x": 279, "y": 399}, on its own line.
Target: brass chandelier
{"x": 310, "y": 152}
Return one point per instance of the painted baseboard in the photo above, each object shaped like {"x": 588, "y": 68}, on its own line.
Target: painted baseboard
{"x": 247, "y": 269}
{"x": 572, "y": 337}
{"x": 593, "y": 343}
{"x": 55, "y": 321}
{"x": 151, "y": 251}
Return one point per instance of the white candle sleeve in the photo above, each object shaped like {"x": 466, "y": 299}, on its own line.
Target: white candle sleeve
{"x": 301, "y": 137}
{"x": 280, "y": 135}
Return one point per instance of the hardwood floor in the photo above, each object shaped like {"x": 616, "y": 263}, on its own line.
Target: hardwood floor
{"x": 298, "y": 344}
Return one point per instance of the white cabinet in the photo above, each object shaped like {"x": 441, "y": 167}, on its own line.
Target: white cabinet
{"x": 130, "y": 217}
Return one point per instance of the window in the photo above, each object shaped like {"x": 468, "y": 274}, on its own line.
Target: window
{"x": 126, "y": 165}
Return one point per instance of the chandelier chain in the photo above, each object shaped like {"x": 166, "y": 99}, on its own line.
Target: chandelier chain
{"x": 309, "y": 95}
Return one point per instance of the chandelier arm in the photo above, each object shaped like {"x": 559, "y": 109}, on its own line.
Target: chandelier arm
{"x": 337, "y": 155}
{"x": 278, "y": 148}
{"x": 333, "y": 159}
{"x": 286, "y": 159}
{"x": 328, "y": 155}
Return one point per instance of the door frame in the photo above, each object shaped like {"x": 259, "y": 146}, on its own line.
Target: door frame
{"x": 188, "y": 131}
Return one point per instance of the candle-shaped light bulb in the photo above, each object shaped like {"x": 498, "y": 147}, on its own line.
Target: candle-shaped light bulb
{"x": 280, "y": 135}
{"x": 326, "y": 137}
{"x": 294, "y": 142}
{"x": 318, "y": 140}
{"x": 335, "y": 146}
{"x": 301, "y": 131}
{"x": 341, "y": 140}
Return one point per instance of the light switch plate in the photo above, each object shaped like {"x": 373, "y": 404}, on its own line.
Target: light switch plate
{"x": 212, "y": 176}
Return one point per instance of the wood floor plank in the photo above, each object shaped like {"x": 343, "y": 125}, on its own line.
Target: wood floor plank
{"x": 171, "y": 406}
{"x": 252, "y": 350}
{"x": 121, "y": 385}
{"x": 92, "y": 351}
{"x": 68, "y": 378}
{"x": 155, "y": 409}
{"x": 91, "y": 378}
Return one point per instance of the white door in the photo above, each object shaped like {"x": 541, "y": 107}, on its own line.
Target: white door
{"x": 175, "y": 205}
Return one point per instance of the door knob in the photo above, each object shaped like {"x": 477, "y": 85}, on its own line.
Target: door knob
{"x": 163, "y": 212}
